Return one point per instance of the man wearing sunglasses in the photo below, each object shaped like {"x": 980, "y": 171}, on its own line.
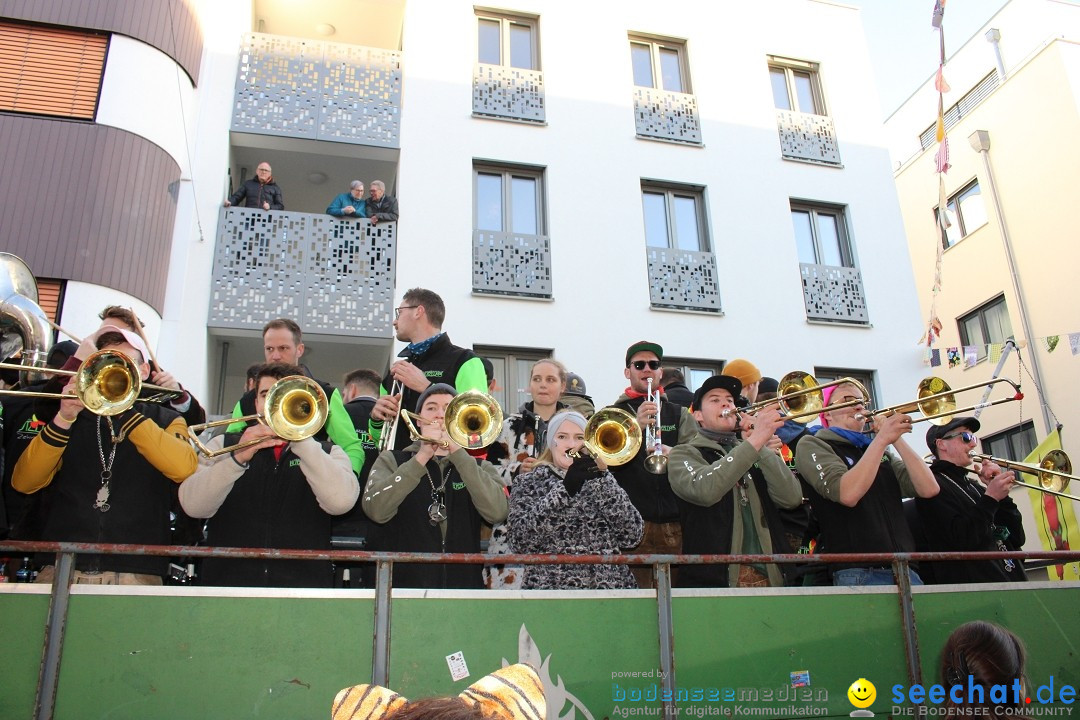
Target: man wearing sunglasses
{"x": 651, "y": 494}
{"x": 966, "y": 515}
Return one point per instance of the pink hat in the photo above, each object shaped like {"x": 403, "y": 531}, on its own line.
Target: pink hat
{"x": 132, "y": 339}
{"x": 826, "y": 393}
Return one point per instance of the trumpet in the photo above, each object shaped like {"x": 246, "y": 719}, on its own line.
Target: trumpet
{"x": 386, "y": 440}
{"x": 657, "y": 462}
{"x": 295, "y": 409}
{"x": 801, "y": 397}
{"x": 937, "y": 401}
{"x": 1054, "y": 472}
{"x": 612, "y": 435}
{"x": 107, "y": 383}
{"x": 472, "y": 419}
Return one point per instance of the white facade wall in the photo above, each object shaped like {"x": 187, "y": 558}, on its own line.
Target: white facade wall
{"x": 594, "y": 166}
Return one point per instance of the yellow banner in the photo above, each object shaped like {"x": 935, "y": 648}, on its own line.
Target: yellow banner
{"x": 1055, "y": 516}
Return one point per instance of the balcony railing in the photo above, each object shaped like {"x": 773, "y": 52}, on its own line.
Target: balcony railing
{"x": 683, "y": 279}
{"x": 665, "y": 115}
{"x": 511, "y": 264}
{"x": 508, "y": 92}
{"x": 318, "y": 90}
{"x": 804, "y": 136}
{"x": 332, "y": 276}
{"x": 833, "y": 294}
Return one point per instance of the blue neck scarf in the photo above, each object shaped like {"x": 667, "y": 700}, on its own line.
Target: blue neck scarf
{"x": 417, "y": 349}
{"x": 857, "y": 439}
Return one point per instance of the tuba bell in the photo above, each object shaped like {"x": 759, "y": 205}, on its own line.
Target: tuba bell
{"x": 23, "y": 323}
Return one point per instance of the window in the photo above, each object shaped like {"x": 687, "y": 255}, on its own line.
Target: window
{"x": 796, "y": 86}
{"x": 866, "y": 377}
{"x": 511, "y": 367}
{"x": 821, "y": 234}
{"x": 985, "y": 325}
{"x": 694, "y": 371}
{"x": 507, "y": 40}
{"x": 964, "y": 214}
{"x": 1013, "y": 444}
{"x": 674, "y": 217}
{"x": 660, "y": 64}
{"x": 509, "y": 200}
{"x": 48, "y": 70}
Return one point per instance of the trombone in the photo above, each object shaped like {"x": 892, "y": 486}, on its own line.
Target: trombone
{"x": 657, "y": 461}
{"x": 1054, "y": 472}
{"x": 473, "y": 419}
{"x": 295, "y": 409}
{"x": 937, "y": 401}
{"x": 107, "y": 383}
{"x": 386, "y": 440}
{"x": 801, "y": 397}
{"x": 611, "y": 435}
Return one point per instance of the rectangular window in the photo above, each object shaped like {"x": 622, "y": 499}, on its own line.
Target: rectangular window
{"x": 511, "y": 367}
{"x": 47, "y": 70}
{"x": 509, "y": 199}
{"x": 674, "y": 217}
{"x": 660, "y": 63}
{"x": 1013, "y": 444}
{"x": 509, "y": 40}
{"x": 796, "y": 86}
{"x": 695, "y": 371}
{"x": 866, "y": 377}
{"x": 985, "y": 325}
{"x": 964, "y": 214}
{"x": 821, "y": 234}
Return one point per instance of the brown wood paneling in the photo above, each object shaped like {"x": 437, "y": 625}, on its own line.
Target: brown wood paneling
{"x": 49, "y": 291}
{"x": 168, "y": 25}
{"x": 88, "y": 202}
{"x": 49, "y": 70}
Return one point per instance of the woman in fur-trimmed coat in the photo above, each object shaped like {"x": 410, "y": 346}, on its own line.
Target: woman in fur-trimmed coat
{"x": 574, "y": 507}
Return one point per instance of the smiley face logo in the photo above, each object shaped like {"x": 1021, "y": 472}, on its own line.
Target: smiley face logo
{"x": 862, "y": 693}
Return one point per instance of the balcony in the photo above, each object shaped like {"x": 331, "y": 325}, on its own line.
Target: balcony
{"x": 807, "y": 137}
{"x": 302, "y": 88}
{"x": 508, "y": 93}
{"x": 683, "y": 280}
{"x": 332, "y": 276}
{"x": 511, "y": 264}
{"x": 665, "y": 115}
{"x": 833, "y": 294}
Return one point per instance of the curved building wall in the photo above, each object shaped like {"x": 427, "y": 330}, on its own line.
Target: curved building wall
{"x": 88, "y": 202}
{"x": 169, "y": 26}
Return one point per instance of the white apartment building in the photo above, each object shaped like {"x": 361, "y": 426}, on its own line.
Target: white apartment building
{"x": 572, "y": 178}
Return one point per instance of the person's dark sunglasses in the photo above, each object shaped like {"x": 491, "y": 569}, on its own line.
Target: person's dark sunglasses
{"x": 640, "y": 364}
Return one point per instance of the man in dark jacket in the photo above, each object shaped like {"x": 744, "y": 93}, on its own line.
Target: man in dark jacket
{"x": 273, "y": 494}
{"x": 109, "y": 478}
{"x": 967, "y": 516}
{"x": 675, "y": 390}
{"x": 432, "y": 497}
{"x": 651, "y": 493}
{"x": 259, "y": 192}
{"x": 380, "y": 206}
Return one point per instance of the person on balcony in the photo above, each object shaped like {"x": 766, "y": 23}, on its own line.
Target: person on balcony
{"x": 350, "y": 204}
{"x": 283, "y": 343}
{"x": 433, "y": 497}
{"x": 730, "y": 490}
{"x": 259, "y": 192}
{"x": 274, "y": 494}
{"x": 380, "y": 206}
{"x": 109, "y": 478}
{"x": 576, "y": 396}
{"x": 856, "y": 485}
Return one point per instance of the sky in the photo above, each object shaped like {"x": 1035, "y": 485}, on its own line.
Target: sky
{"x": 904, "y": 45}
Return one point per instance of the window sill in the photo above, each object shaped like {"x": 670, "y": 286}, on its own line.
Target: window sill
{"x": 840, "y": 323}
{"x": 687, "y": 310}
{"x": 509, "y": 118}
{"x": 669, "y": 141}
{"x": 512, "y": 296}
{"x": 808, "y": 161}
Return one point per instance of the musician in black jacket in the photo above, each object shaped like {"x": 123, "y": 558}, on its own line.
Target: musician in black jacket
{"x": 966, "y": 515}
{"x": 651, "y": 494}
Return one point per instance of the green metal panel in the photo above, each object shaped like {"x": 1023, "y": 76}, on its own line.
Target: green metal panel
{"x": 22, "y": 627}
{"x": 746, "y": 646}
{"x": 211, "y": 657}
{"x": 580, "y": 641}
